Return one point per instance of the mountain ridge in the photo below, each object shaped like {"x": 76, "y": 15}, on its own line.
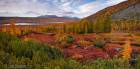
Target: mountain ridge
{"x": 55, "y": 16}
{"x": 44, "y": 19}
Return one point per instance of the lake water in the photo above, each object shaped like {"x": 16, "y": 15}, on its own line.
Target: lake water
{"x": 35, "y": 23}
{"x": 24, "y": 24}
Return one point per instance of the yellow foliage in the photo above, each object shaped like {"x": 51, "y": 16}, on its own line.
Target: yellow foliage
{"x": 40, "y": 28}
{"x": 127, "y": 50}
{"x": 61, "y": 37}
{"x": 12, "y": 29}
{"x": 86, "y": 43}
{"x": 26, "y": 39}
{"x": 4, "y": 30}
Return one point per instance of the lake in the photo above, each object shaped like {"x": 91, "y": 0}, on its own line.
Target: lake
{"x": 35, "y": 23}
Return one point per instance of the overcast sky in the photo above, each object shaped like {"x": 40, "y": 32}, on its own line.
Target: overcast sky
{"x": 34, "y": 8}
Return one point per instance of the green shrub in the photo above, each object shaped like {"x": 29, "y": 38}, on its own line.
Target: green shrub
{"x": 64, "y": 39}
{"x": 15, "y": 51}
{"x": 137, "y": 66}
{"x": 107, "y": 64}
{"x": 63, "y": 64}
{"x": 70, "y": 39}
{"x": 99, "y": 43}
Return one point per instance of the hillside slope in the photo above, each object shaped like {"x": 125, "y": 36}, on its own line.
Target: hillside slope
{"x": 119, "y": 11}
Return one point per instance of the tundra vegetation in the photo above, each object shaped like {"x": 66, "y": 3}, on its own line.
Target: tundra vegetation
{"x": 16, "y": 52}
{"x": 29, "y": 54}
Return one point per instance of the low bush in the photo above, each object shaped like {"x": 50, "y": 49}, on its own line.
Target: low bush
{"x": 99, "y": 43}
{"x": 137, "y": 66}
{"x": 85, "y": 43}
{"x": 15, "y": 51}
{"x": 107, "y": 64}
{"x": 70, "y": 39}
{"x": 64, "y": 39}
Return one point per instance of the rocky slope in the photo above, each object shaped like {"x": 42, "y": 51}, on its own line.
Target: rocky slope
{"x": 132, "y": 12}
{"x": 119, "y": 11}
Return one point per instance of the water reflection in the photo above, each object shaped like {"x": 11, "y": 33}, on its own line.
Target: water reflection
{"x": 34, "y": 23}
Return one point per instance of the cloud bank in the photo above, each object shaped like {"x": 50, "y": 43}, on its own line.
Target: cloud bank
{"x": 34, "y": 8}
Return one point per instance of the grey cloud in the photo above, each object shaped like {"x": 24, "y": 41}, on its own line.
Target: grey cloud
{"x": 44, "y": 7}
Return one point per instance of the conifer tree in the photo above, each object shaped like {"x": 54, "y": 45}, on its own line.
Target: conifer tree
{"x": 127, "y": 50}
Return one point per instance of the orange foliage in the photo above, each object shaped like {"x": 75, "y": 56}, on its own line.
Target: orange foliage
{"x": 61, "y": 37}
{"x": 127, "y": 50}
{"x": 14, "y": 30}
{"x": 26, "y": 39}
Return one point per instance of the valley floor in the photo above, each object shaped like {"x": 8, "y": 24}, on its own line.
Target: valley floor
{"x": 89, "y": 46}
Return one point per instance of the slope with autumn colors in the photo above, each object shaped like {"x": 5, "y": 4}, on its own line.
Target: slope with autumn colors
{"x": 119, "y": 11}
